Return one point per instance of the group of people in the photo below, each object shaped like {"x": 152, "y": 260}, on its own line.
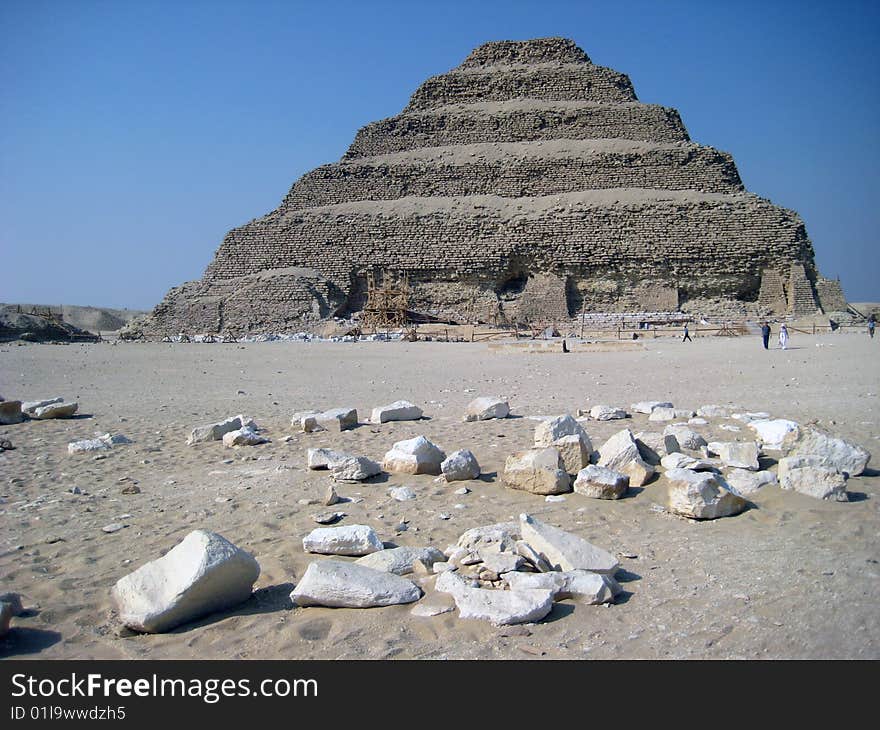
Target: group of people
{"x": 783, "y": 336}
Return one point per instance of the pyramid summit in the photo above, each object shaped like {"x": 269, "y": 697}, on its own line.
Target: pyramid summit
{"x": 525, "y": 185}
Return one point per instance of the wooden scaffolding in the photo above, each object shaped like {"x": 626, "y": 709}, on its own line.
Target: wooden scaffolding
{"x": 387, "y": 302}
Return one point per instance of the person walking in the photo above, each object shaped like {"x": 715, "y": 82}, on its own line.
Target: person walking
{"x": 871, "y": 324}
{"x": 687, "y": 335}
{"x": 783, "y": 337}
{"x": 765, "y": 335}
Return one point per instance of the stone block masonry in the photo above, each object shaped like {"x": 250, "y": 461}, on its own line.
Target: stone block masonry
{"x": 527, "y": 184}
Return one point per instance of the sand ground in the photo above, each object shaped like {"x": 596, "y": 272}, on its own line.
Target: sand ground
{"x": 792, "y": 577}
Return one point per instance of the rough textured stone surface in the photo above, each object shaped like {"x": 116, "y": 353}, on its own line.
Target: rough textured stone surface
{"x": 575, "y": 452}
{"x": 502, "y": 608}
{"x": 355, "y": 469}
{"x": 582, "y": 586}
{"x": 683, "y": 461}
{"x": 243, "y": 437}
{"x": 701, "y": 496}
{"x": 539, "y": 471}
{"x": 738, "y": 454}
{"x": 835, "y": 452}
{"x": 200, "y": 575}
{"x": 621, "y": 454}
{"x": 502, "y": 536}
{"x": 400, "y": 560}
{"x": 325, "y": 458}
{"x": 10, "y": 412}
{"x": 546, "y": 432}
{"x": 814, "y": 479}
{"x": 28, "y": 407}
{"x": 353, "y": 540}
{"x": 349, "y": 585}
{"x": 648, "y": 406}
{"x": 662, "y": 413}
{"x": 775, "y": 433}
{"x": 215, "y": 431}
{"x": 564, "y": 550}
{"x": 685, "y": 438}
{"x": 601, "y": 483}
{"x": 336, "y": 419}
{"x": 87, "y": 445}
{"x": 400, "y": 410}
{"x": 460, "y": 466}
{"x": 606, "y": 413}
{"x": 485, "y": 408}
{"x": 414, "y": 456}
{"x": 747, "y": 482}
{"x": 713, "y": 411}
{"x": 55, "y": 410}
{"x": 651, "y": 446}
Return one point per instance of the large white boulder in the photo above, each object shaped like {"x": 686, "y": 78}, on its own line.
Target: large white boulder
{"x": 835, "y": 452}
{"x": 575, "y": 452}
{"x": 747, "y": 482}
{"x": 336, "y": 419}
{"x": 54, "y": 410}
{"x": 651, "y": 445}
{"x": 413, "y": 456}
{"x": 701, "y": 495}
{"x": 601, "y": 483}
{"x": 564, "y": 550}
{"x": 243, "y": 437}
{"x": 539, "y": 471}
{"x": 685, "y": 438}
{"x": 348, "y": 585}
{"x": 501, "y": 608}
{"x": 355, "y": 469}
{"x": 29, "y": 406}
{"x": 582, "y": 586}
{"x": 606, "y": 413}
{"x": 501, "y": 536}
{"x": 662, "y": 413}
{"x": 460, "y": 466}
{"x": 814, "y": 480}
{"x": 215, "y": 431}
{"x": 400, "y": 560}
{"x": 400, "y": 410}
{"x": 621, "y": 454}
{"x": 325, "y": 458}
{"x": 737, "y": 454}
{"x": 200, "y": 575}
{"x": 553, "y": 429}
{"x": 775, "y": 433}
{"x": 485, "y": 408}
{"x": 345, "y": 540}
{"x": 648, "y": 406}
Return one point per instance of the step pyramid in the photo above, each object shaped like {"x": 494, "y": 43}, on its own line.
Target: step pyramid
{"x": 527, "y": 184}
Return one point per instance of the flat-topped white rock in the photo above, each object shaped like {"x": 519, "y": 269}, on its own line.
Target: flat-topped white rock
{"x": 701, "y": 495}
{"x": 460, "y": 466}
{"x": 684, "y": 438}
{"x": 400, "y": 410}
{"x": 400, "y": 560}
{"x": 662, "y": 413}
{"x": 738, "y": 454}
{"x": 414, "y": 456}
{"x": 54, "y": 410}
{"x": 341, "y": 584}
{"x": 713, "y": 411}
{"x": 355, "y": 540}
{"x": 87, "y": 445}
{"x": 606, "y": 413}
{"x": 546, "y": 432}
{"x": 10, "y": 412}
{"x": 574, "y": 451}
{"x": 814, "y": 479}
{"x": 243, "y": 437}
{"x": 621, "y": 454}
{"x": 501, "y": 562}
{"x": 336, "y": 419}
{"x": 354, "y": 469}
{"x": 501, "y": 608}
{"x": 648, "y": 406}
{"x": 325, "y": 458}
{"x": 401, "y": 494}
{"x": 751, "y": 416}
{"x": 582, "y": 586}
{"x": 775, "y": 433}
{"x": 485, "y": 408}
{"x": 683, "y": 461}
{"x": 502, "y": 536}
{"x": 747, "y": 482}
{"x": 29, "y": 406}
{"x": 539, "y": 471}
{"x": 835, "y": 452}
{"x": 216, "y": 431}
{"x": 564, "y": 550}
{"x": 599, "y": 482}
{"x": 202, "y": 574}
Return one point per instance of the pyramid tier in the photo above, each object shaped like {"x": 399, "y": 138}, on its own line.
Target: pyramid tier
{"x": 528, "y": 52}
{"x": 584, "y": 82}
{"x": 518, "y": 121}
{"x": 517, "y": 169}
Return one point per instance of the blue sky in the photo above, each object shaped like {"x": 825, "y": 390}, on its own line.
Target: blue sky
{"x": 134, "y": 134}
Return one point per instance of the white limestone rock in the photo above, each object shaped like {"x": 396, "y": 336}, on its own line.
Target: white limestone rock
{"x": 501, "y": 536}
{"x": 621, "y": 454}
{"x": 683, "y": 461}
{"x": 564, "y": 550}
{"x": 87, "y": 445}
{"x": 243, "y": 437}
{"x": 400, "y": 560}
{"x": 713, "y": 411}
{"x": 701, "y": 496}
{"x": 28, "y": 407}
{"x": 737, "y": 454}
{"x": 355, "y": 469}
{"x": 651, "y": 446}
{"x": 796, "y": 462}
{"x": 747, "y": 482}
{"x": 582, "y": 586}
{"x": 202, "y": 574}
{"x": 336, "y": 420}
{"x": 500, "y": 563}
{"x": 426, "y": 610}
{"x": 648, "y": 406}
{"x": 662, "y": 413}
{"x": 325, "y": 458}
{"x": 532, "y": 556}
{"x": 575, "y": 452}
{"x": 501, "y": 608}
{"x": 606, "y": 413}
{"x": 539, "y": 471}
{"x": 341, "y": 584}
{"x": 401, "y": 494}
{"x": 685, "y": 438}
{"x": 215, "y": 431}
{"x": 353, "y": 540}
{"x": 400, "y": 410}
{"x": 773, "y": 434}
{"x": 599, "y": 482}
{"x": 55, "y": 410}
{"x": 546, "y": 432}
{"x": 413, "y": 456}
{"x": 804, "y": 475}
{"x": 485, "y": 408}
{"x": 751, "y": 416}
{"x": 460, "y": 466}
{"x": 835, "y": 452}
{"x": 10, "y": 412}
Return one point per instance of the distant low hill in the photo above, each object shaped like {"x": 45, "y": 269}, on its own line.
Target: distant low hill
{"x": 63, "y": 322}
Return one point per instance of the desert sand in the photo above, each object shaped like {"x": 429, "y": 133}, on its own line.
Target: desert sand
{"x": 791, "y": 577}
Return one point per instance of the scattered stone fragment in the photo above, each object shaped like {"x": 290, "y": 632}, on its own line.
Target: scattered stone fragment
{"x": 400, "y": 410}
{"x": 713, "y": 411}
{"x": 353, "y": 540}
{"x": 697, "y": 422}
{"x": 54, "y": 410}
{"x": 581, "y": 585}
{"x": 330, "y": 496}
{"x": 775, "y": 433}
{"x": 336, "y": 419}
{"x": 648, "y": 406}
{"x": 601, "y": 483}
{"x": 539, "y": 471}
{"x": 462, "y": 490}
{"x": 738, "y": 454}
{"x": 426, "y": 610}
{"x": 683, "y": 461}
{"x": 701, "y": 496}
{"x": 325, "y": 458}
{"x": 685, "y": 438}
{"x": 113, "y": 527}
{"x": 501, "y": 562}
{"x": 485, "y": 408}
{"x": 621, "y": 454}
{"x": 348, "y": 585}
{"x": 414, "y": 456}
{"x": 328, "y": 518}
{"x": 606, "y": 413}
{"x": 747, "y": 482}
{"x": 575, "y": 452}
{"x": 245, "y": 436}
{"x": 564, "y": 550}
{"x": 532, "y": 556}
{"x": 131, "y": 489}
{"x": 14, "y": 601}
{"x": 400, "y": 560}
{"x": 502, "y": 536}
{"x": 546, "y": 432}
{"x": 6, "y": 445}
{"x": 819, "y": 481}
{"x": 662, "y": 413}
{"x": 554, "y": 498}
{"x": 10, "y": 412}
{"x": 651, "y": 446}
{"x": 835, "y": 452}
{"x": 749, "y": 417}
{"x": 215, "y": 431}
{"x": 401, "y": 494}
{"x": 501, "y": 608}
{"x": 87, "y": 445}
{"x": 355, "y": 469}
{"x": 28, "y": 407}
{"x": 202, "y": 574}
{"x": 460, "y": 466}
